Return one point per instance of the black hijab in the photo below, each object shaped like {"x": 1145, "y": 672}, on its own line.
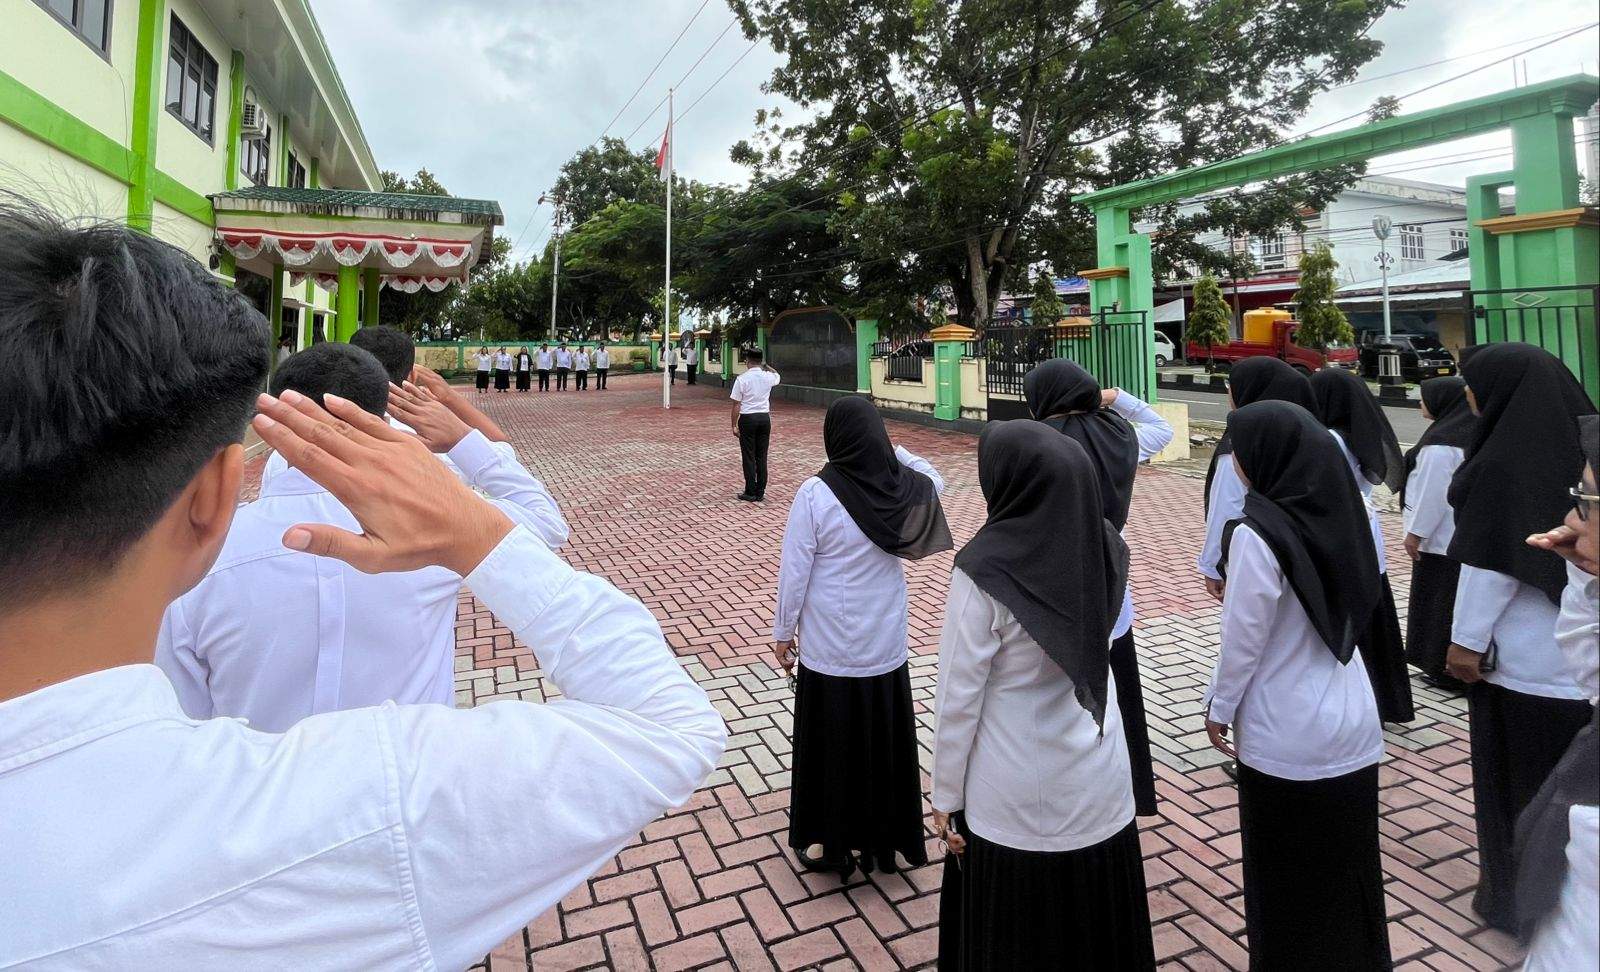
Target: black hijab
{"x": 1523, "y": 457}
{"x": 1259, "y": 380}
{"x": 897, "y": 508}
{"x": 1047, "y": 552}
{"x": 1315, "y": 523}
{"x": 1067, "y": 398}
{"x": 1453, "y": 421}
{"x": 1346, "y": 406}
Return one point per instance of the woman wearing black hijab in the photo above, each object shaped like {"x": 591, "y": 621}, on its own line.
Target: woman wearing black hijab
{"x": 1289, "y": 684}
{"x": 1348, "y": 409}
{"x": 1523, "y": 703}
{"x": 841, "y": 615}
{"x": 1030, "y": 767}
{"x": 1064, "y": 396}
{"x": 1430, "y": 524}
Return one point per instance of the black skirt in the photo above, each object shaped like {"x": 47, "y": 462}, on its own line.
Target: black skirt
{"x": 1007, "y": 909}
{"x": 483, "y": 379}
{"x": 523, "y": 380}
{"x": 1385, "y": 658}
{"x": 856, "y": 784}
{"x": 1517, "y": 740}
{"x": 502, "y": 379}
{"x": 1313, "y": 882}
{"x": 1433, "y": 605}
{"x": 1130, "y": 700}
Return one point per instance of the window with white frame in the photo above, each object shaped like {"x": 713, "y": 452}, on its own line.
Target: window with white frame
{"x": 1269, "y": 253}
{"x": 1411, "y": 242}
{"x": 1458, "y": 241}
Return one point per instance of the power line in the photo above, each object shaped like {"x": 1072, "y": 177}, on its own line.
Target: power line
{"x": 1445, "y": 60}
{"x": 724, "y": 74}
{"x": 659, "y": 61}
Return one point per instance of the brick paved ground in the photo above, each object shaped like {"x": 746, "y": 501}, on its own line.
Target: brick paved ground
{"x": 649, "y": 496}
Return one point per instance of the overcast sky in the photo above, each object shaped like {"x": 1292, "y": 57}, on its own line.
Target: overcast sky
{"x": 493, "y": 95}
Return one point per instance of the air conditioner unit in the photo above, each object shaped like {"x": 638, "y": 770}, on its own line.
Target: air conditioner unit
{"x": 252, "y": 120}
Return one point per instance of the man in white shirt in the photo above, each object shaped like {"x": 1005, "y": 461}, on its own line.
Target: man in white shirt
{"x": 602, "y": 365}
{"x": 752, "y": 422}
{"x": 563, "y": 365}
{"x": 543, "y": 362}
{"x": 334, "y": 631}
{"x": 580, "y": 367}
{"x": 669, "y": 360}
{"x": 398, "y": 836}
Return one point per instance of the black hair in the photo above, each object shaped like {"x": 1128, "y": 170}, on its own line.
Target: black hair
{"x": 392, "y": 347}
{"x": 125, "y": 366}
{"x": 331, "y": 368}
{"x": 754, "y": 354}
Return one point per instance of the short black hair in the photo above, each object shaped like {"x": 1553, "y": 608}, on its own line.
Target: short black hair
{"x": 124, "y": 367}
{"x": 753, "y": 354}
{"x": 393, "y": 348}
{"x": 338, "y": 369}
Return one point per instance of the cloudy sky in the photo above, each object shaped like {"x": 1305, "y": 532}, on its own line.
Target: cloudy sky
{"x": 493, "y": 95}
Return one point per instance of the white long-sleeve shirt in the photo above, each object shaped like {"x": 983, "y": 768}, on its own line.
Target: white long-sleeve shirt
{"x": 1012, "y": 746}
{"x": 1297, "y": 713}
{"x": 273, "y": 636}
{"x": 1153, "y": 433}
{"x": 842, "y": 592}
{"x": 392, "y": 837}
{"x": 1362, "y": 484}
{"x": 1578, "y": 630}
{"x": 544, "y": 361}
{"x": 1427, "y": 511}
{"x": 503, "y": 362}
{"x": 563, "y": 358}
{"x": 602, "y": 359}
{"x": 1495, "y": 608}
{"x": 484, "y": 362}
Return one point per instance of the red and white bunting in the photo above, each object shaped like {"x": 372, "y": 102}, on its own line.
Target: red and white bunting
{"x": 346, "y": 249}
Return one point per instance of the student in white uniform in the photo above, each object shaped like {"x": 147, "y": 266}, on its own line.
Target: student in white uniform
{"x": 335, "y": 632}
{"x": 602, "y": 366}
{"x": 563, "y": 366}
{"x": 524, "y": 370}
{"x": 543, "y": 362}
{"x": 1430, "y": 524}
{"x": 1558, "y": 836}
{"x": 1289, "y": 684}
{"x": 485, "y": 366}
{"x": 1523, "y": 704}
{"x": 502, "y": 371}
{"x": 357, "y": 838}
{"x": 1348, "y": 409}
{"x": 752, "y": 422}
{"x": 1030, "y": 765}
{"x": 580, "y": 367}
{"x": 691, "y": 359}
{"x": 1118, "y": 431}
{"x": 669, "y": 360}
{"x": 842, "y": 608}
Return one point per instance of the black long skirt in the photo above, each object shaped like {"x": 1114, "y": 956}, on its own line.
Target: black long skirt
{"x": 523, "y": 383}
{"x": 502, "y": 379}
{"x": 1433, "y": 605}
{"x": 483, "y": 380}
{"x": 1385, "y": 658}
{"x": 856, "y": 783}
{"x": 1007, "y": 909}
{"x": 1517, "y": 739}
{"x": 1130, "y": 700}
{"x": 1313, "y": 882}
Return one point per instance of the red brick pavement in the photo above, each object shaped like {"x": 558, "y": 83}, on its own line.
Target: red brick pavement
{"x": 649, "y": 496}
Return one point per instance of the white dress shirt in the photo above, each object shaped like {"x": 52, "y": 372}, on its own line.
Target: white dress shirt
{"x": 524, "y": 361}
{"x": 503, "y": 362}
{"x": 419, "y": 837}
{"x": 1296, "y": 713}
{"x": 1578, "y": 630}
{"x": 1012, "y": 747}
{"x": 580, "y": 361}
{"x": 669, "y": 357}
{"x": 602, "y": 359}
{"x": 690, "y": 359}
{"x": 1520, "y": 622}
{"x": 545, "y": 361}
{"x": 484, "y": 362}
{"x": 1153, "y": 433}
{"x": 1427, "y": 511}
{"x": 843, "y": 593}
{"x": 753, "y": 391}
{"x": 273, "y": 636}
{"x": 563, "y": 358}
{"x": 1373, "y": 522}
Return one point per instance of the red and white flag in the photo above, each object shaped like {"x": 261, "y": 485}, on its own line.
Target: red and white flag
{"x": 663, "y": 157}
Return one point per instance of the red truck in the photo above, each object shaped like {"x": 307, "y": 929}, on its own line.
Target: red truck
{"x": 1281, "y": 345}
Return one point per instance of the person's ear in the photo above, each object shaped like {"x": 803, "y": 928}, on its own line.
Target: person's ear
{"x": 208, "y": 507}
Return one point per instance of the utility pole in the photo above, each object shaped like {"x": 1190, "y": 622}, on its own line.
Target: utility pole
{"x": 555, "y": 279}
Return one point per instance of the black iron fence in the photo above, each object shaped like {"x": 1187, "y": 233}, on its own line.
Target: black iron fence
{"x": 1114, "y": 346}
{"x": 1563, "y": 320}
{"x": 903, "y": 360}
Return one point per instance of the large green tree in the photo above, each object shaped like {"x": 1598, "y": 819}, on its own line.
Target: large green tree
{"x": 1209, "y": 322}
{"x": 1321, "y": 321}
{"x": 957, "y": 130}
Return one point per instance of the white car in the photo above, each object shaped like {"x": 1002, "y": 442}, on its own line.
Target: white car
{"x": 1165, "y": 353}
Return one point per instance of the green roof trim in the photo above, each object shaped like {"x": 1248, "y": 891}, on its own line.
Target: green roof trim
{"x": 346, "y": 202}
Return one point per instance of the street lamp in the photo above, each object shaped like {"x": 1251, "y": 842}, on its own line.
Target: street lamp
{"x": 1388, "y": 357}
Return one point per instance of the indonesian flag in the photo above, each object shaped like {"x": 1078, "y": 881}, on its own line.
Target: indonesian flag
{"x": 662, "y": 161}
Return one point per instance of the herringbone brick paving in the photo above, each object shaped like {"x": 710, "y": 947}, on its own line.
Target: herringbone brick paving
{"x": 649, "y": 497}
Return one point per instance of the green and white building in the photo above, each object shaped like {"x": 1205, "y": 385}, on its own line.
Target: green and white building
{"x": 222, "y": 127}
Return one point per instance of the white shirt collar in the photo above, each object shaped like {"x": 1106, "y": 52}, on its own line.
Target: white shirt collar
{"x": 80, "y": 710}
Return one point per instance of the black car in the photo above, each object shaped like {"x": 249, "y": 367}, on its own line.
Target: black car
{"x": 1421, "y": 355}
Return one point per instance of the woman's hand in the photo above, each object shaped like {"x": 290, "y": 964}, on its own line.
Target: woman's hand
{"x": 1218, "y": 731}
{"x": 784, "y": 653}
{"x": 1563, "y": 542}
{"x": 951, "y": 837}
{"x": 1464, "y": 663}
{"x": 1107, "y": 396}
{"x": 1413, "y": 545}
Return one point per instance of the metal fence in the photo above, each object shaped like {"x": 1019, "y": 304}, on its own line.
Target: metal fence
{"x": 1563, "y": 320}
{"x": 1111, "y": 345}
{"x": 903, "y": 360}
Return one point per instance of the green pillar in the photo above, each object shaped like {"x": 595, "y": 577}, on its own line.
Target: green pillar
{"x": 308, "y": 328}
{"x": 348, "y": 304}
{"x": 655, "y": 341}
{"x": 948, "y": 342}
{"x": 762, "y": 334}
{"x": 146, "y": 114}
{"x": 371, "y": 284}
{"x": 227, "y": 265}
{"x": 866, "y": 337}
{"x": 275, "y": 310}
{"x": 727, "y": 356}
{"x": 235, "y": 114}
{"x": 1545, "y": 163}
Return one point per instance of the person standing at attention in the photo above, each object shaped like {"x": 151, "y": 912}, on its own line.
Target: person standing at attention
{"x": 502, "y": 371}
{"x": 356, "y": 838}
{"x": 1523, "y": 705}
{"x": 1119, "y": 432}
{"x": 485, "y": 364}
{"x": 602, "y": 365}
{"x": 752, "y": 422}
{"x": 543, "y": 362}
{"x": 669, "y": 360}
{"x": 524, "y": 369}
{"x": 691, "y": 361}
{"x": 580, "y": 367}
{"x": 563, "y": 366}
{"x": 1289, "y": 684}
{"x": 841, "y": 615}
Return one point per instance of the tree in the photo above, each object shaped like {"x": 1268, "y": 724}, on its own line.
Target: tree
{"x": 958, "y": 131}
{"x": 1210, "y": 320}
{"x": 1321, "y": 321}
{"x": 1045, "y": 308}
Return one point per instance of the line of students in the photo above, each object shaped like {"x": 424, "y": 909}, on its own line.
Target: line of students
{"x": 564, "y": 361}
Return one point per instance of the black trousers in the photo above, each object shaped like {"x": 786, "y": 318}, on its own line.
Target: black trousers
{"x": 583, "y": 379}
{"x": 673, "y": 371}
{"x": 600, "y": 379}
{"x": 755, "y": 434}
{"x": 689, "y": 371}
{"x": 544, "y": 379}
{"x": 561, "y": 379}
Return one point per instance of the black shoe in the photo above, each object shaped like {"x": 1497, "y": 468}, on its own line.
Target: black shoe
{"x": 844, "y": 865}
{"x": 748, "y": 498}
{"x": 1231, "y": 767}
{"x": 884, "y": 862}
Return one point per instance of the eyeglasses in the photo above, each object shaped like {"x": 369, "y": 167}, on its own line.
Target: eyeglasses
{"x": 1581, "y": 501}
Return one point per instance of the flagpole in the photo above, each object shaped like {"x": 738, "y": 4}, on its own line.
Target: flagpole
{"x": 666, "y": 323}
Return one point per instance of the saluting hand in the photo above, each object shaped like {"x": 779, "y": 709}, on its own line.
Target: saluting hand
{"x": 413, "y": 511}
{"x": 439, "y": 428}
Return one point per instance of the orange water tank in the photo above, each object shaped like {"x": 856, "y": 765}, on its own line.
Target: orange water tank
{"x": 1260, "y": 323}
